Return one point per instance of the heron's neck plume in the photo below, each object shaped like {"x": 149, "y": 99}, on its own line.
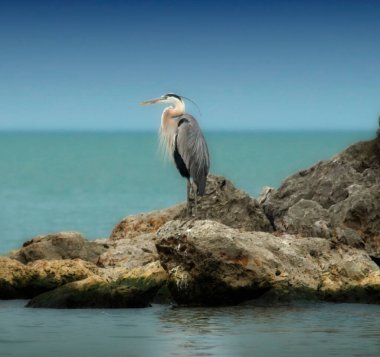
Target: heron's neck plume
{"x": 167, "y": 134}
{"x": 168, "y": 128}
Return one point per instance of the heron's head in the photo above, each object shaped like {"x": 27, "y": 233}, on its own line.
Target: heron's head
{"x": 169, "y": 98}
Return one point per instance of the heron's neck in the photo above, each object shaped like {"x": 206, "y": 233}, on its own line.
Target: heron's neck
{"x": 168, "y": 127}
{"x": 175, "y": 111}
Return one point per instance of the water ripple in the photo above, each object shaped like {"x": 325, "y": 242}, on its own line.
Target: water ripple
{"x": 294, "y": 330}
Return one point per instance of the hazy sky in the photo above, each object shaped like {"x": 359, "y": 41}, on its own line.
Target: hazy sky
{"x": 248, "y": 65}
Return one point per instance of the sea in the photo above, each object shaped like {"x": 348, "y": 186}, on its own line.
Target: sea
{"x": 89, "y": 181}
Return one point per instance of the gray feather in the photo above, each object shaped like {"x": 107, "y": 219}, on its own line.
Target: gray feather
{"x": 192, "y": 147}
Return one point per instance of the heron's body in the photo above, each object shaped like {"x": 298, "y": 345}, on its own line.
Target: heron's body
{"x": 184, "y": 142}
{"x": 191, "y": 153}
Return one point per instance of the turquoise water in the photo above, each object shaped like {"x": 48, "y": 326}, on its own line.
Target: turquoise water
{"x": 89, "y": 181}
{"x": 162, "y": 331}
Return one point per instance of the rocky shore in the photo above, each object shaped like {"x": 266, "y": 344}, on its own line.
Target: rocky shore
{"x": 317, "y": 236}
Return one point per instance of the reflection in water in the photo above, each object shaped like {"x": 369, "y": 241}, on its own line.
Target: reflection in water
{"x": 298, "y": 329}
{"x": 294, "y": 330}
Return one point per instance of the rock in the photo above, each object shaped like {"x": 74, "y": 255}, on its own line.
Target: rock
{"x": 149, "y": 275}
{"x": 19, "y": 281}
{"x": 129, "y": 253}
{"x": 95, "y": 292}
{"x": 265, "y": 194}
{"x": 135, "y": 225}
{"x": 13, "y": 278}
{"x": 341, "y": 193}
{"x": 132, "y": 262}
{"x": 61, "y": 245}
{"x": 211, "y": 264}
{"x": 308, "y": 217}
{"x": 222, "y": 202}
{"x": 226, "y": 204}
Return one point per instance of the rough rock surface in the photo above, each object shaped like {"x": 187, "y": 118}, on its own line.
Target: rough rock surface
{"x": 222, "y": 202}
{"x": 135, "y": 225}
{"x": 129, "y": 253}
{"x": 211, "y": 264}
{"x": 337, "y": 198}
{"x": 61, "y": 245}
{"x": 226, "y": 204}
{"x": 20, "y": 281}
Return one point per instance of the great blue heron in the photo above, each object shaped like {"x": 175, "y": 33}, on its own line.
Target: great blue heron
{"x": 183, "y": 141}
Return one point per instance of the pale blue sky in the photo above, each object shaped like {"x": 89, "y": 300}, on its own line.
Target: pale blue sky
{"x": 249, "y": 65}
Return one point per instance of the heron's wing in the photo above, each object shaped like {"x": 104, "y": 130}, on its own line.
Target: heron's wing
{"x": 192, "y": 147}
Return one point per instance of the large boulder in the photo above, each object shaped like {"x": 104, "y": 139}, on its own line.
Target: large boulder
{"x": 337, "y": 198}
{"x": 20, "y": 281}
{"x": 211, "y": 264}
{"x": 222, "y": 202}
{"x": 61, "y": 245}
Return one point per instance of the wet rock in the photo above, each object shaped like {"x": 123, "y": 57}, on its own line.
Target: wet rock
{"x": 342, "y": 193}
{"x": 20, "y": 281}
{"x": 95, "y": 292}
{"x": 211, "y": 264}
{"x": 61, "y": 245}
{"x": 152, "y": 274}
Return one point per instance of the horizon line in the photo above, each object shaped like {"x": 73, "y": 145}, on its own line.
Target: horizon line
{"x": 221, "y": 130}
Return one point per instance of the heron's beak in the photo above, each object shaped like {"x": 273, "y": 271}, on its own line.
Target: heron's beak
{"x": 151, "y": 101}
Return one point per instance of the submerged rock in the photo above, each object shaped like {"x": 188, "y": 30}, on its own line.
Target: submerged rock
{"x": 61, "y": 245}
{"x": 336, "y": 198}
{"x": 211, "y": 264}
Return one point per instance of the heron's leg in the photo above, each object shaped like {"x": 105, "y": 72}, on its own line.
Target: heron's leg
{"x": 188, "y": 197}
{"x": 195, "y": 203}
{"x": 194, "y": 199}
